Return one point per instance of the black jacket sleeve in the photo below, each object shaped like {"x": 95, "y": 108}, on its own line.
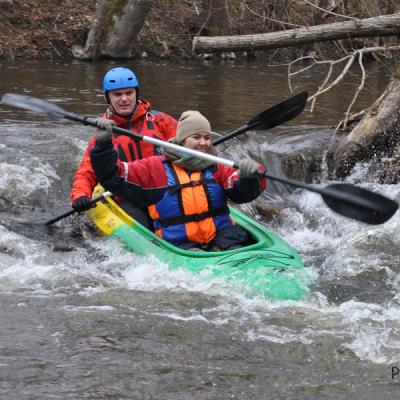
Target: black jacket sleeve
{"x": 244, "y": 190}
{"x": 104, "y": 159}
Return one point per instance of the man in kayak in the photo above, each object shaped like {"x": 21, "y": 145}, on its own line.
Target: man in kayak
{"x": 186, "y": 197}
{"x": 129, "y": 111}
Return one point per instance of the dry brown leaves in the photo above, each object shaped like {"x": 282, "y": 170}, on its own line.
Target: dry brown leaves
{"x": 32, "y": 29}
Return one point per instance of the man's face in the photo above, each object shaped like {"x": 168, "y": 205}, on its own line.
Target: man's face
{"x": 123, "y": 101}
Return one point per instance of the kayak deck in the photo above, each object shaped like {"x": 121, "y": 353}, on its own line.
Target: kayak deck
{"x": 268, "y": 267}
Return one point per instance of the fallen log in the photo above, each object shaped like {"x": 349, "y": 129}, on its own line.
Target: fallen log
{"x": 382, "y": 25}
{"x": 376, "y": 135}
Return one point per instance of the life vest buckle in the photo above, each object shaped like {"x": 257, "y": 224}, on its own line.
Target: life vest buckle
{"x": 205, "y": 246}
{"x": 196, "y": 217}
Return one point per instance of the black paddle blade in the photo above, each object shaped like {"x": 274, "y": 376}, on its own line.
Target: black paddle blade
{"x": 358, "y": 203}
{"x": 280, "y": 113}
{"x": 33, "y": 104}
{"x": 274, "y": 116}
{"x": 43, "y": 107}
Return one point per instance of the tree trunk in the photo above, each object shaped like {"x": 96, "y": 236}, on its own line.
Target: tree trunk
{"x": 215, "y": 14}
{"x": 376, "y": 134}
{"x": 376, "y": 26}
{"x": 114, "y": 30}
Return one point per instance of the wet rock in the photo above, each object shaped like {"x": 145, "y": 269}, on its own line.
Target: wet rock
{"x": 206, "y": 56}
{"x": 368, "y": 286}
{"x": 305, "y": 167}
{"x": 249, "y": 55}
{"x": 228, "y": 56}
{"x": 390, "y": 173}
{"x": 341, "y": 159}
{"x": 63, "y": 247}
{"x": 269, "y": 211}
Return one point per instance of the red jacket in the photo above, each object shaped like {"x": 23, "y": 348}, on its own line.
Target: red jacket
{"x": 145, "y": 122}
{"x": 144, "y": 182}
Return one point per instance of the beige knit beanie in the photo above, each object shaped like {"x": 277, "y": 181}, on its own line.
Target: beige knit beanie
{"x": 190, "y": 123}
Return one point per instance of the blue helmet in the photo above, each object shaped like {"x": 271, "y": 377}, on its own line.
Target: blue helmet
{"x": 119, "y": 78}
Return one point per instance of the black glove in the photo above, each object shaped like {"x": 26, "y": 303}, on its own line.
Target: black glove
{"x": 82, "y": 203}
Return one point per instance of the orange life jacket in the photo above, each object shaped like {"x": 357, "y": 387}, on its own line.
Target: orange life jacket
{"x": 194, "y": 207}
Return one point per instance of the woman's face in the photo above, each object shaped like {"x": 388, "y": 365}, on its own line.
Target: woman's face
{"x": 198, "y": 141}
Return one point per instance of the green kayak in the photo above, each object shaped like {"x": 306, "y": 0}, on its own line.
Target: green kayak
{"x": 269, "y": 267}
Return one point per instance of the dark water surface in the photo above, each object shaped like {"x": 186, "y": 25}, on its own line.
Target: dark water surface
{"x": 82, "y": 318}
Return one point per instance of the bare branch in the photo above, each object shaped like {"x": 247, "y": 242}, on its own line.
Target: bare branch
{"x": 346, "y": 68}
{"x": 326, "y": 86}
{"x": 290, "y": 74}
{"x": 360, "y": 87}
{"x": 332, "y": 7}
{"x": 326, "y": 11}
{"x": 324, "y": 83}
{"x": 270, "y": 19}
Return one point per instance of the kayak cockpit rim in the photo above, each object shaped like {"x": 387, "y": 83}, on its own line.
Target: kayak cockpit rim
{"x": 254, "y": 231}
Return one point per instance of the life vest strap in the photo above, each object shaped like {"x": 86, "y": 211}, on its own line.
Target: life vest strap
{"x": 175, "y": 188}
{"x": 184, "y": 219}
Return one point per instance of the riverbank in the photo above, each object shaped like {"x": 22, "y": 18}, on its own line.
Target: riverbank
{"x": 39, "y": 30}
{"x": 32, "y": 30}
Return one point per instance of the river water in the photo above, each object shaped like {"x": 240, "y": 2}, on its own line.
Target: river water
{"x": 82, "y": 318}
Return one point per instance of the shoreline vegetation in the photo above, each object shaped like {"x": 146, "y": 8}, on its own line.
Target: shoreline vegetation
{"x": 48, "y": 30}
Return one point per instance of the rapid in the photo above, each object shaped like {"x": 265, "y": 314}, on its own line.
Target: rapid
{"x": 83, "y": 318}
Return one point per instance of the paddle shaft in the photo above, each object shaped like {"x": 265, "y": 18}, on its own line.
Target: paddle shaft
{"x": 182, "y": 151}
{"x": 324, "y": 192}
{"x": 73, "y": 211}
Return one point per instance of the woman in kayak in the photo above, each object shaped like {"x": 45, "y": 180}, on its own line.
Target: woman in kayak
{"x": 186, "y": 197}
{"x": 128, "y": 111}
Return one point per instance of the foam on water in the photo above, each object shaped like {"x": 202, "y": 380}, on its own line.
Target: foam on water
{"x": 149, "y": 274}
{"x": 300, "y": 138}
{"x": 33, "y": 266}
{"x": 88, "y": 308}
{"x": 22, "y": 179}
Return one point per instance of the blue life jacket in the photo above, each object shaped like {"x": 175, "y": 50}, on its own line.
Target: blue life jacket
{"x": 193, "y": 208}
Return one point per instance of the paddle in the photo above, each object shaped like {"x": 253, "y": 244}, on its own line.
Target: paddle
{"x": 345, "y": 199}
{"x": 73, "y": 211}
{"x": 271, "y": 117}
